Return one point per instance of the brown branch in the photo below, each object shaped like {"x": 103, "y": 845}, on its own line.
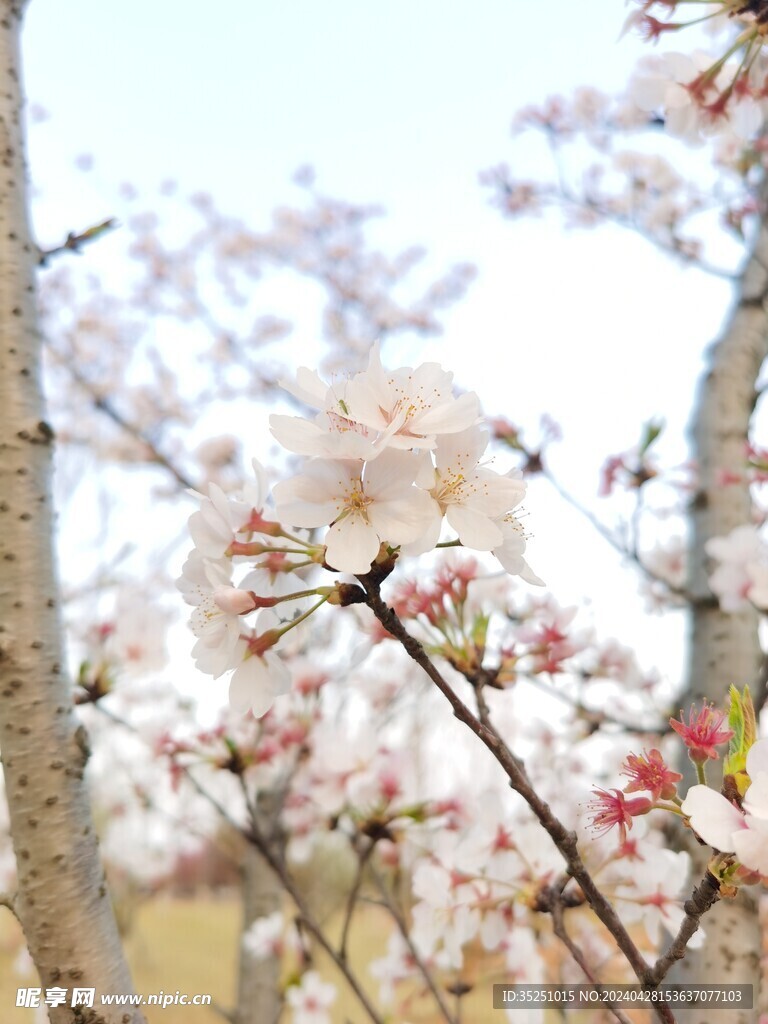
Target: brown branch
{"x": 75, "y": 241}
{"x": 703, "y": 898}
{"x": 551, "y": 900}
{"x": 564, "y": 839}
{"x": 105, "y": 405}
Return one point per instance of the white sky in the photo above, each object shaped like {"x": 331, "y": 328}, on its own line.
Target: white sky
{"x": 401, "y": 103}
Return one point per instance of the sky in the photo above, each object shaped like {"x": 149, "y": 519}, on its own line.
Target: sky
{"x": 401, "y": 104}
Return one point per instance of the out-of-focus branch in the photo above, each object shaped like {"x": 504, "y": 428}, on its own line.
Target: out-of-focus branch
{"x": 75, "y": 241}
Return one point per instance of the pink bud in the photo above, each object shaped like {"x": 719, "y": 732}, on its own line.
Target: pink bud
{"x": 234, "y": 601}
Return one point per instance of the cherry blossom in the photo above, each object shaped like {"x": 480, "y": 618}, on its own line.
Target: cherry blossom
{"x": 218, "y": 520}
{"x": 409, "y": 407}
{"x": 703, "y": 733}
{"x": 258, "y": 679}
{"x": 311, "y": 999}
{"x": 446, "y": 915}
{"x": 365, "y": 504}
{"x": 396, "y": 967}
{"x": 724, "y": 826}
{"x": 741, "y": 577}
{"x": 612, "y": 808}
{"x": 330, "y": 435}
{"x": 650, "y": 774}
{"x": 468, "y": 494}
{"x": 654, "y": 885}
{"x": 376, "y": 409}
{"x": 693, "y": 92}
{"x": 512, "y": 549}
{"x": 264, "y": 936}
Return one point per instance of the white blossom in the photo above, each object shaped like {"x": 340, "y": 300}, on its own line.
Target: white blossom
{"x": 311, "y": 999}
{"x": 724, "y": 827}
{"x": 363, "y": 503}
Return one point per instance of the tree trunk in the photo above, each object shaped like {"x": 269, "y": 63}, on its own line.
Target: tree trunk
{"x": 724, "y": 647}
{"x": 258, "y": 994}
{"x": 62, "y": 899}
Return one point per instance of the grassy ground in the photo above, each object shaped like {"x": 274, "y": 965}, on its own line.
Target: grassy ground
{"x": 191, "y": 945}
{"x": 181, "y": 944}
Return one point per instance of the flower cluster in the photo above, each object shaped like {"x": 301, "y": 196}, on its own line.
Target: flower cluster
{"x": 734, "y": 821}
{"x": 700, "y": 94}
{"x": 391, "y": 456}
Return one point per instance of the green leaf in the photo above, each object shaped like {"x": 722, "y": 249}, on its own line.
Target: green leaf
{"x": 651, "y": 430}
{"x": 743, "y": 722}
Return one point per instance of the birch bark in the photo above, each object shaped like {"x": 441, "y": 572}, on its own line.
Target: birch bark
{"x": 62, "y": 899}
{"x": 724, "y": 647}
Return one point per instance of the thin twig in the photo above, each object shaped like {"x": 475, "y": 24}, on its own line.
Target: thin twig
{"x": 681, "y": 592}
{"x": 552, "y": 900}
{"x": 402, "y": 927}
{"x": 75, "y": 241}
{"x": 703, "y": 898}
{"x": 362, "y": 860}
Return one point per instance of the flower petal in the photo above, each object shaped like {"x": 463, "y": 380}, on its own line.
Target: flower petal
{"x": 351, "y": 545}
{"x": 713, "y": 817}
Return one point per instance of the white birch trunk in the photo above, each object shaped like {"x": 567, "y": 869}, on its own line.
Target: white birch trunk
{"x": 62, "y": 899}
{"x": 723, "y": 647}
{"x": 259, "y": 1000}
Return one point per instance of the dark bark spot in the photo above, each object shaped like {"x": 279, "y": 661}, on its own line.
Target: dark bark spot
{"x": 51, "y": 800}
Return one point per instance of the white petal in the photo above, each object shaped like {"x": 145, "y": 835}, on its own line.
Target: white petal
{"x": 475, "y": 530}
{"x": 403, "y": 520}
{"x": 713, "y": 817}
{"x": 751, "y": 848}
{"x": 756, "y": 799}
{"x": 308, "y": 388}
{"x": 351, "y": 545}
{"x": 452, "y": 416}
{"x": 757, "y": 758}
{"x": 391, "y": 473}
